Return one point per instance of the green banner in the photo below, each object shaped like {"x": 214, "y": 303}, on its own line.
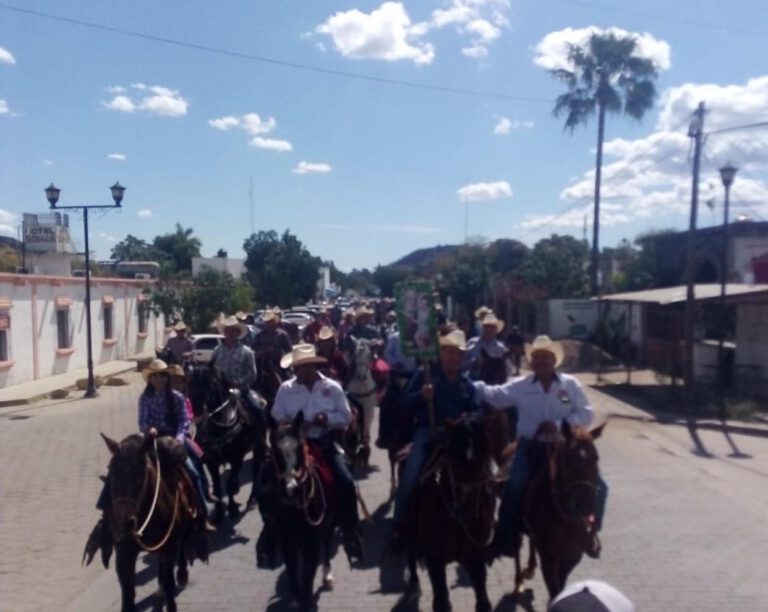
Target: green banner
{"x": 417, "y": 319}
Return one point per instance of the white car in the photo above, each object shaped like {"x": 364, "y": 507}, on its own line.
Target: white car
{"x": 203, "y": 346}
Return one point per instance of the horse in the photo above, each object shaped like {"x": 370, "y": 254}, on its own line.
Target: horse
{"x": 453, "y": 511}
{"x": 396, "y": 424}
{"x": 268, "y": 378}
{"x": 300, "y": 502}
{"x": 225, "y": 433}
{"x": 503, "y": 427}
{"x": 363, "y": 390}
{"x": 147, "y": 485}
{"x": 560, "y": 503}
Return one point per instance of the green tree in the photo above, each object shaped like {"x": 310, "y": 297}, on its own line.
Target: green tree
{"x": 280, "y": 268}
{"x": 133, "y": 249}
{"x": 465, "y": 276}
{"x": 607, "y": 75}
{"x": 210, "y": 294}
{"x": 386, "y": 277}
{"x": 177, "y": 249}
{"x": 506, "y": 255}
{"x": 557, "y": 265}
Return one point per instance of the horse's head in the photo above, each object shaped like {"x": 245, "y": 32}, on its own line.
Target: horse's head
{"x": 578, "y": 467}
{"x": 128, "y": 478}
{"x": 362, "y": 357}
{"x": 467, "y": 445}
{"x": 288, "y": 453}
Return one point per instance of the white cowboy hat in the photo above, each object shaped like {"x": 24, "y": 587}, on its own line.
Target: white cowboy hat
{"x": 180, "y": 326}
{"x": 363, "y": 311}
{"x": 177, "y": 370}
{"x": 456, "y": 339}
{"x": 325, "y": 333}
{"x": 545, "y": 343}
{"x": 591, "y": 595}
{"x": 156, "y": 366}
{"x": 482, "y": 311}
{"x": 491, "y": 319}
{"x": 241, "y": 315}
{"x": 231, "y": 321}
{"x": 302, "y": 354}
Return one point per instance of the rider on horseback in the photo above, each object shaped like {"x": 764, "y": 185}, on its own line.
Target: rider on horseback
{"x": 271, "y": 342}
{"x": 487, "y": 344}
{"x": 545, "y": 395}
{"x": 179, "y": 345}
{"x": 325, "y": 408}
{"x": 451, "y": 392}
{"x": 336, "y": 365}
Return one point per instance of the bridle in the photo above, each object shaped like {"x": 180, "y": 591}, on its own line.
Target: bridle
{"x": 307, "y": 482}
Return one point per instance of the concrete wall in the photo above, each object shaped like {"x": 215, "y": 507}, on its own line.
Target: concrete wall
{"x": 751, "y": 361}
{"x": 571, "y": 318}
{"x": 743, "y": 251}
{"x": 32, "y": 301}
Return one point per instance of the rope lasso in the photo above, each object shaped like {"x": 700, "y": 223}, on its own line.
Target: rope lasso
{"x": 140, "y": 531}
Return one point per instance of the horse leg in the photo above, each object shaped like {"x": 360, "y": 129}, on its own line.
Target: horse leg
{"x": 369, "y": 410}
{"x": 440, "y": 599}
{"x": 182, "y": 574}
{"x": 125, "y": 564}
{"x": 413, "y": 575}
{"x": 311, "y": 561}
{"x": 392, "y": 474}
{"x": 478, "y": 576}
{"x": 291, "y": 559}
{"x": 530, "y": 568}
{"x": 233, "y": 485}
{"x": 550, "y": 569}
{"x": 215, "y": 471}
{"x": 165, "y": 577}
{"x": 328, "y": 581}
{"x": 566, "y": 567}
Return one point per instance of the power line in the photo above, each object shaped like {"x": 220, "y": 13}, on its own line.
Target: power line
{"x": 736, "y": 128}
{"x": 272, "y": 60}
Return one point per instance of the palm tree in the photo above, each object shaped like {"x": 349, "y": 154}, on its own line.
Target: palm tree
{"x": 606, "y": 75}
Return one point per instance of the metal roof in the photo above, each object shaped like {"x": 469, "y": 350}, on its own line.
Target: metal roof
{"x": 673, "y": 295}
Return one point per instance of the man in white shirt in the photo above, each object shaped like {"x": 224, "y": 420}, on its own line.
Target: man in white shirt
{"x": 545, "y": 395}
{"x": 325, "y": 409}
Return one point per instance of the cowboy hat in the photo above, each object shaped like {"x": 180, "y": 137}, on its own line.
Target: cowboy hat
{"x": 176, "y": 370}
{"x": 241, "y": 315}
{"x": 325, "y": 333}
{"x": 231, "y": 321}
{"x": 363, "y": 311}
{"x": 545, "y": 343}
{"x": 180, "y": 326}
{"x": 482, "y": 311}
{"x": 302, "y": 354}
{"x": 156, "y": 366}
{"x": 455, "y": 338}
{"x": 491, "y": 319}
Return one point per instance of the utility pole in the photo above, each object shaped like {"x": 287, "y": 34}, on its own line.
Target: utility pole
{"x": 695, "y": 131}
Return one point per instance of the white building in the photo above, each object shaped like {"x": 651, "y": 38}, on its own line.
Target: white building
{"x": 43, "y": 325}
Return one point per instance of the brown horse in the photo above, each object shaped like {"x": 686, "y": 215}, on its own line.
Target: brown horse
{"x": 453, "y": 511}
{"x": 560, "y": 503}
{"x": 152, "y": 509}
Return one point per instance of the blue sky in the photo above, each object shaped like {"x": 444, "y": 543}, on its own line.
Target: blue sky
{"x": 364, "y": 171}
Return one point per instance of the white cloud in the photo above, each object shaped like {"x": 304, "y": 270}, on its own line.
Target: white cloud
{"x": 271, "y": 144}
{"x": 650, "y": 177}
{"x": 153, "y": 99}
{"x": 476, "y": 192}
{"x": 305, "y": 167}
{"x": 551, "y": 52}
{"x": 7, "y": 217}
{"x": 117, "y": 156}
{"x": 47, "y": 163}
{"x": 144, "y": 213}
{"x": 4, "y": 108}
{"x": 6, "y": 57}
{"x": 388, "y": 33}
{"x": 224, "y": 123}
{"x": 505, "y": 125}
{"x": 107, "y": 237}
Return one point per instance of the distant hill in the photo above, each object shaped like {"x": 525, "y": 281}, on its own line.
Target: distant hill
{"x": 10, "y": 242}
{"x": 425, "y": 257}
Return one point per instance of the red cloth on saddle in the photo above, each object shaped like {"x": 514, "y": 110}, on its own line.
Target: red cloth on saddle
{"x": 380, "y": 372}
{"x": 323, "y": 470}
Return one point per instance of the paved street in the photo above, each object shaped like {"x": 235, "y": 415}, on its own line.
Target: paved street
{"x": 685, "y": 528}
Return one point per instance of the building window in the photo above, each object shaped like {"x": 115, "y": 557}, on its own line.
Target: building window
{"x": 5, "y": 326}
{"x": 108, "y": 322}
{"x": 143, "y": 312}
{"x": 62, "y": 327}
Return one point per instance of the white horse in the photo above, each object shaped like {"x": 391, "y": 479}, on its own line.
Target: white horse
{"x": 362, "y": 388}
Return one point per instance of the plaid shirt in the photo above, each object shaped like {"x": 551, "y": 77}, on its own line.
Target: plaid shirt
{"x": 237, "y": 365}
{"x": 153, "y": 412}
{"x": 272, "y": 344}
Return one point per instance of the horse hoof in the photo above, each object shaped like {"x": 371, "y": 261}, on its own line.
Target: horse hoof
{"x": 328, "y": 582}
{"x": 529, "y": 573}
{"x": 233, "y": 511}
{"x": 182, "y": 578}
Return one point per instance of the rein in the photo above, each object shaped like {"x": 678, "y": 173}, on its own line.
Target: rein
{"x": 141, "y": 529}
{"x": 307, "y": 478}
{"x": 453, "y": 510}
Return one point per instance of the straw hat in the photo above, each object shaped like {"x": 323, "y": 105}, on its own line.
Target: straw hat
{"x": 491, "y": 319}
{"x": 456, "y": 339}
{"x": 545, "y": 343}
{"x": 180, "y": 326}
{"x": 302, "y": 354}
{"x": 482, "y": 311}
{"x": 177, "y": 370}
{"x": 363, "y": 311}
{"x": 231, "y": 321}
{"x": 156, "y": 366}
{"x": 241, "y": 315}
{"x": 326, "y": 333}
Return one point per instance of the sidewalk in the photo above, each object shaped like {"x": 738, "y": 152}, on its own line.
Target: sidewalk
{"x": 34, "y": 390}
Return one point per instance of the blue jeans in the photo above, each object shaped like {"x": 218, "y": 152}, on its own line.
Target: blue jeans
{"x": 510, "y": 509}
{"x": 410, "y": 478}
{"x": 345, "y": 488}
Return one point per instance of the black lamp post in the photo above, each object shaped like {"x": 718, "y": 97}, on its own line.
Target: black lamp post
{"x": 727, "y": 174}
{"x": 52, "y": 194}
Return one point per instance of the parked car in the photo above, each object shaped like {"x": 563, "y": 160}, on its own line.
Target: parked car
{"x": 203, "y": 346}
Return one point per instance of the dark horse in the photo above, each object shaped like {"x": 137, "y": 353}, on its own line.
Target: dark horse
{"x": 453, "y": 511}
{"x": 560, "y": 502}
{"x": 226, "y": 432}
{"x": 299, "y": 500}
{"x": 502, "y": 428}
{"x": 153, "y": 509}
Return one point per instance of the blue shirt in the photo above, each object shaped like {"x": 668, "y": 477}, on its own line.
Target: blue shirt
{"x": 153, "y": 412}
{"x": 450, "y": 401}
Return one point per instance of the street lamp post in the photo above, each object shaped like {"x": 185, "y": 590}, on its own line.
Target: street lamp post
{"x": 727, "y": 174}
{"x": 52, "y": 194}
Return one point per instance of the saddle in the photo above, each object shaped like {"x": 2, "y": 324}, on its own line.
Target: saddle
{"x": 317, "y": 461}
